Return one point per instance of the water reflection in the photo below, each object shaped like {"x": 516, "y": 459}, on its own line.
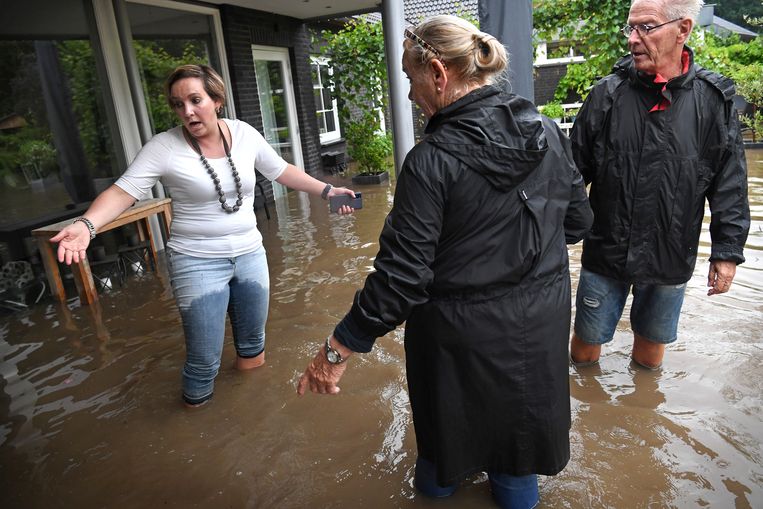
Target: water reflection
{"x": 90, "y": 408}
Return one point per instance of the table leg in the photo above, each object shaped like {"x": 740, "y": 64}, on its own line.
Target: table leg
{"x": 151, "y": 247}
{"x": 83, "y": 278}
{"x": 51, "y": 268}
{"x": 166, "y": 215}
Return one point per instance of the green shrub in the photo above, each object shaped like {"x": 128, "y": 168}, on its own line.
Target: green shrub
{"x": 368, "y": 147}
{"x": 552, "y": 110}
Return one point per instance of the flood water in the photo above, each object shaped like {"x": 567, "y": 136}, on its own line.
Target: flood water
{"x": 90, "y": 412}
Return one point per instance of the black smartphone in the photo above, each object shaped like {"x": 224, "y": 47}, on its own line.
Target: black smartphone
{"x": 345, "y": 199}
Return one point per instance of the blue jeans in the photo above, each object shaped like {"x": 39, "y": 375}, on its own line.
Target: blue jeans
{"x": 600, "y": 302}
{"x": 509, "y": 491}
{"x": 205, "y": 288}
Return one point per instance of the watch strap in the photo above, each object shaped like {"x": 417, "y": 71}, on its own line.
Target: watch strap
{"x": 332, "y": 354}
{"x": 325, "y": 192}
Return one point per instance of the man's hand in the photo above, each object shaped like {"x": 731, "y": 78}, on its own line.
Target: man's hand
{"x": 321, "y": 376}
{"x": 720, "y": 276}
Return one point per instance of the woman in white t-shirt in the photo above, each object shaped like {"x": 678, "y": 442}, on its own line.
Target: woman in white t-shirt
{"x": 215, "y": 254}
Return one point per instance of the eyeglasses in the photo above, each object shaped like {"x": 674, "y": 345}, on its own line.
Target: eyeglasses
{"x": 421, "y": 42}
{"x": 644, "y": 30}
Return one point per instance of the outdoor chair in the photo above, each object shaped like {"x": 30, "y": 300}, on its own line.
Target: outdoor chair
{"x": 19, "y": 287}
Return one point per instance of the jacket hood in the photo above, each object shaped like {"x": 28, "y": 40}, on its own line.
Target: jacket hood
{"x": 496, "y": 134}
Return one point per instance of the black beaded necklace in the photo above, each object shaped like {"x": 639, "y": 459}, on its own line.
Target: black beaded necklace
{"x": 239, "y": 198}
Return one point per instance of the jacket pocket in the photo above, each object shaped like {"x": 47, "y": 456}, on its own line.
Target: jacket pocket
{"x": 528, "y": 240}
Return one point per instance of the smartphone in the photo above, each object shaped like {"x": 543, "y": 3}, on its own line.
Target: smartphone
{"x": 345, "y": 199}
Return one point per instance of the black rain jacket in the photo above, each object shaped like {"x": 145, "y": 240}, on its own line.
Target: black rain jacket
{"x": 650, "y": 174}
{"x": 473, "y": 255}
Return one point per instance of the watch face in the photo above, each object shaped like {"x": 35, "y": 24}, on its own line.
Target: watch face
{"x": 332, "y": 356}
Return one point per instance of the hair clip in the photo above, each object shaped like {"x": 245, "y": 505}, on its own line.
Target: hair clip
{"x": 421, "y": 42}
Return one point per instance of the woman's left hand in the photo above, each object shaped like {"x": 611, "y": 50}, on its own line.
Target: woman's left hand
{"x": 337, "y": 191}
{"x": 321, "y": 376}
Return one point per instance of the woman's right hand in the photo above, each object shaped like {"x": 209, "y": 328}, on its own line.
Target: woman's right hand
{"x": 72, "y": 242}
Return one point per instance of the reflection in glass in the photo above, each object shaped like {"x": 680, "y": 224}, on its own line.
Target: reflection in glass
{"x": 275, "y": 119}
{"x": 55, "y": 143}
{"x": 164, "y": 39}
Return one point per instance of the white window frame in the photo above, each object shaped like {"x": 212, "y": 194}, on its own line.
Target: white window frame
{"x": 541, "y": 56}
{"x": 218, "y": 41}
{"x": 336, "y": 134}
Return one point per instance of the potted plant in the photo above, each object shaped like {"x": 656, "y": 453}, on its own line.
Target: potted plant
{"x": 552, "y": 110}
{"x": 37, "y": 160}
{"x": 356, "y": 53}
{"x": 370, "y": 149}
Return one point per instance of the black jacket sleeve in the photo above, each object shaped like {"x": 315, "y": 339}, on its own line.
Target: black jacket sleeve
{"x": 727, "y": 195}
{"x": 403, "y": 265}
{"x": 579, "y": 216}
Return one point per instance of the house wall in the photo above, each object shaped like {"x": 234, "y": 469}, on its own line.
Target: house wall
{"x": 246, "y": 27}
{"x": 546, "y": 79}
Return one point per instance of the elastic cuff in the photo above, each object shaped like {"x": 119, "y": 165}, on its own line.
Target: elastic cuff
{"x": 727, "y": 254}
{"x": 348, "y": 334}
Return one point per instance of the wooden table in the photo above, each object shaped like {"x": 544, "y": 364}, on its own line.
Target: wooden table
{"x": 83, "y": 277}
{"x": 13, "y": 234}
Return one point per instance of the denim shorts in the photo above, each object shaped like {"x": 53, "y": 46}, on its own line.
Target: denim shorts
{"x": 206, "y": 289}
{"x": 600, "y": 302}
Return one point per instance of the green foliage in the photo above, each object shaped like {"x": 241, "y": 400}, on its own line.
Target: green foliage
{"x": 552, "y": 110}
{"x": 741, "y": 61}
{"x": 12, "y": 160}
{"x": 356, "y": 53}
{"x": 746, "y": 13}
{"x": 595, "y": 28}
{"x": 360, "y": 71}
{"x": 78, "y": 64}
{"x": 725, "y": 55}
{"x": 368, "y": 147}
{"x": 37, "y": 157}
{"x": 157, "y": 59}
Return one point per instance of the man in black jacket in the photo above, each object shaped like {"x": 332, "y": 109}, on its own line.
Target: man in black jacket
{"x": 654, "y": 139}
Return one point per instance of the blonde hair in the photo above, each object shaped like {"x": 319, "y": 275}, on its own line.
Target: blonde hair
{"x": 213, "y": 83}
{"x": 475, "y": 57}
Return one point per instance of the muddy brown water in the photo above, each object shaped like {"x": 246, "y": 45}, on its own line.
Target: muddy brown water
{"x": 90, "y": 414}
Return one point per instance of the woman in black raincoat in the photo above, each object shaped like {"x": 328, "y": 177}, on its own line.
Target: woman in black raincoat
{"x": 473, "y": 257}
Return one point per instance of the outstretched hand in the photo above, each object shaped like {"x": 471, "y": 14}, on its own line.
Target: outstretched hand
{"x": 720, "y": 276}
{"x": 72, "y": 243}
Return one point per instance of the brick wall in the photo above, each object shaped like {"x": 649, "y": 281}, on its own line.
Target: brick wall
{"x": 546, "y": 80}
{"x": 241, "y": 29}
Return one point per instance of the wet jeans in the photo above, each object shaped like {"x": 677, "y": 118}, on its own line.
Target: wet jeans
{"x": 600, "y": 301}
{"x": 509, "y": 491}
{"x": 205, "y": 288}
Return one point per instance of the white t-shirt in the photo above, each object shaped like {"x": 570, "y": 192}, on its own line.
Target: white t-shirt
{"x": 200, "y": 227}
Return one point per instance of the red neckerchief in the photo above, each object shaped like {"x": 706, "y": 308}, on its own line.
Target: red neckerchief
{"x": 665, "y": 94}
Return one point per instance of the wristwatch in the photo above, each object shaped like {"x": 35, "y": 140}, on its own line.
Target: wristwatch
{"x": 332, "y": 355}
{"x": 325, "y": 192}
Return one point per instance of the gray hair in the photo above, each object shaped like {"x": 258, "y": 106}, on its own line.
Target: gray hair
{"x": 674, "y": 9}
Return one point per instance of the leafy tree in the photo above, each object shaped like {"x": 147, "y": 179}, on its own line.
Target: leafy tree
{"x": 745, "y": 13}
{"x": 157, "y": 59}
{"x": 360, "y": 78}
{"x": 741, "y": 61}
{"x": 593, "y": 27}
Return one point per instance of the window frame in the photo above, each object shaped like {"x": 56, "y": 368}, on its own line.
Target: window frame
{"x": 329, "y": 136}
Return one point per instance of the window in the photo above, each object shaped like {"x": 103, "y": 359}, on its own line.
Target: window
{"x": 56, "y": 146}
{"x": 325, "y": 101}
